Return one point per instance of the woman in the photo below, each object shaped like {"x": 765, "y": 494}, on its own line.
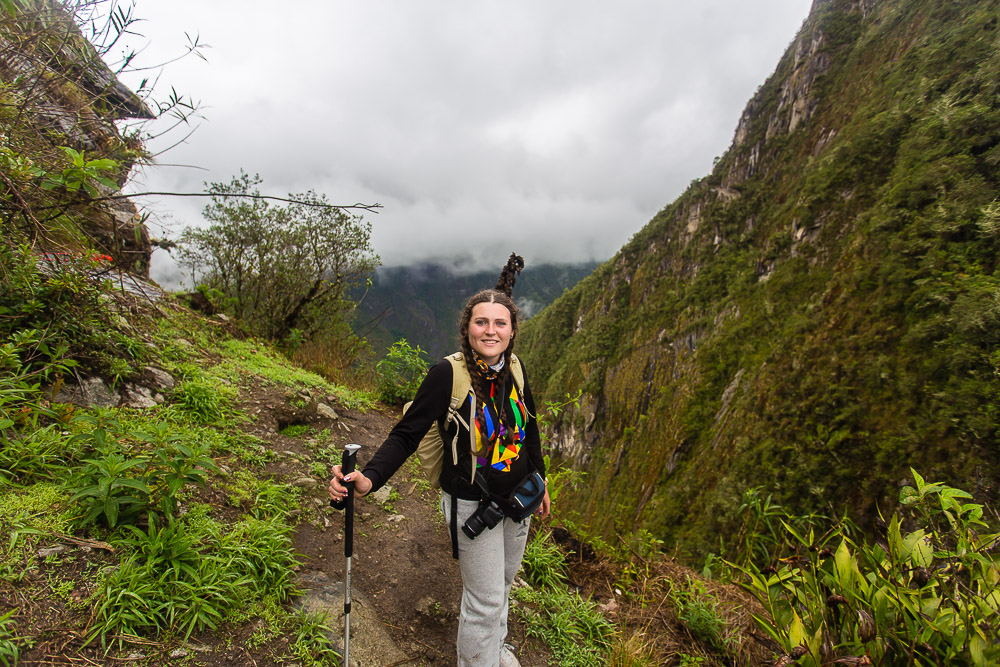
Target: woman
{"x": 504, "y": 422}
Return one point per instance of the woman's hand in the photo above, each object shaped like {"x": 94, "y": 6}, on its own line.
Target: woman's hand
{"x": 338, "y": 488}
{"x": 546, "y": 507}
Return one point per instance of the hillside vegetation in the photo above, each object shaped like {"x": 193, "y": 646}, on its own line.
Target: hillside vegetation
{"x": 813, "y": 317}
{"x": 422, "y": 303}
{"x": 820, "y": 312}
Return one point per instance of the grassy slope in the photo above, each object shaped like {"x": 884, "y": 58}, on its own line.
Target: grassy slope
{"x": 831, "y": 320}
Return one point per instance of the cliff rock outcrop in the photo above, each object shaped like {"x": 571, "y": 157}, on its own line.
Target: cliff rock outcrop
{"x": 816, "y": 315}
{"x": 58, "y": 93}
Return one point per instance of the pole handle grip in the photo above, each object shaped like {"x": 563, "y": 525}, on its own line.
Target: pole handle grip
{"x": 348, "y": 463}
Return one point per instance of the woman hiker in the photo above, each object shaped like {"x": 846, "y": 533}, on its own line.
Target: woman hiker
{"x": 508, "y": 462}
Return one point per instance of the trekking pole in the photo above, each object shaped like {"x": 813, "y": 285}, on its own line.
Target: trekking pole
{"x": 347, "y": 504}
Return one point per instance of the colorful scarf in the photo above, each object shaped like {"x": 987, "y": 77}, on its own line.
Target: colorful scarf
{"x": 498, "y": 444}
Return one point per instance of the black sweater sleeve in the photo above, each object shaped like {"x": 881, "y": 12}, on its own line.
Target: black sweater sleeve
{"x": 429, "y": 405}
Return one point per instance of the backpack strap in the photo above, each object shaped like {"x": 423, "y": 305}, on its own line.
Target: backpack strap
{"x": 461, "y": 388}
{"x": 454, "y": 526}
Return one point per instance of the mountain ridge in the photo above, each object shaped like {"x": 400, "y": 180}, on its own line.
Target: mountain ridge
{"x": 422, "y": 302}
{"x": 816, "y": 314}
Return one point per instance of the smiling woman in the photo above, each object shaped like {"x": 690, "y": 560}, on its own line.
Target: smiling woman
{"x": 494, "y": 482}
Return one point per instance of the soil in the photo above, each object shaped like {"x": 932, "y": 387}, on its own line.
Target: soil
{"x": 402, "y": 560}
{"x": 404, "y": 578}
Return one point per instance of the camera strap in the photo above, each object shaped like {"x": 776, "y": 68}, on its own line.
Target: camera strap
{"x": 454, "y": 526}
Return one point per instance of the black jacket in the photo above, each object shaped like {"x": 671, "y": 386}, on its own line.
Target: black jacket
{"x": 430, "y": 405}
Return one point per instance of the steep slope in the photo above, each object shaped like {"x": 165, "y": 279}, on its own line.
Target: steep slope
{"x": 821, "y": 311}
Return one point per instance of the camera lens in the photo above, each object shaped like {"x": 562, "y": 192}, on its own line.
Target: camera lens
{"x": 473, "y": 526}
{"x": 487, "y": 515}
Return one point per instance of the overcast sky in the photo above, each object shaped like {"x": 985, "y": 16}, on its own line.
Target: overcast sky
{"x": 553, "y": 128}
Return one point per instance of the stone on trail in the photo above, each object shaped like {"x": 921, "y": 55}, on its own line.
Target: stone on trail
{"x": 382, "y": 495}
{"x": 370, "y": 642}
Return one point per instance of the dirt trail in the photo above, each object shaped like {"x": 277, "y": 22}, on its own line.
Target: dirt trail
{"x": 402, "y": 571}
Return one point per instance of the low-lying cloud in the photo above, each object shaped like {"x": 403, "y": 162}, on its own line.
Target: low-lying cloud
{"x": 556, "y": 129}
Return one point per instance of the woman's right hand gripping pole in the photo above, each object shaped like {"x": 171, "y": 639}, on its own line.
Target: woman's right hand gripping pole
{"x": 338, "y": 490}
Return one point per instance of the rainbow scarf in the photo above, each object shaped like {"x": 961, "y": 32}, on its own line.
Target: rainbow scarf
{"x": 498, "y": 444}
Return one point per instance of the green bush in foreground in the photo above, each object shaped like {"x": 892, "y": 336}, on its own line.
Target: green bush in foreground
{"x": 929, "y": 595}
{"x": 400, "y": 373}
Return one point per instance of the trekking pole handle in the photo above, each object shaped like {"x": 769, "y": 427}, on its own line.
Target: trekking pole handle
{"x": 347, "y": 464}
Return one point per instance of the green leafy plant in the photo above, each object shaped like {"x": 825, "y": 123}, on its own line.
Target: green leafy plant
{"x": 544, "y": 564}
{"x": 927, "y": 594}
{"x": 202, "y": 399}
{"x": 191, "y": 575}
{"x": 572, "y": 626}
{"x": 399, "y": 374}
{"x": 698, "y": 610}
{"x": 107, "y": 488}
{"x": 9, "y": 652}
{"x": 82, "y": 174}
{"x": 310, "y": 640}
{"x": 120, "y": 486}
{"x": 262, "y": 498}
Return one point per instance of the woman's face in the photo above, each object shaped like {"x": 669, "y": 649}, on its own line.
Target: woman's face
{"x": 489, "y": 331}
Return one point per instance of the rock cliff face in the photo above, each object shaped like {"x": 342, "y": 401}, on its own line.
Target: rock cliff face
{"x": 817, "y": 314}
{"x": 59, "y": 93}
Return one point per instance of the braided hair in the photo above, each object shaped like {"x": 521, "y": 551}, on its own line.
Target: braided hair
{"x": 501, "y": 295}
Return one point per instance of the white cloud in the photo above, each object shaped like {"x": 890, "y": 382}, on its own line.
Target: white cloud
{"x": 557, "y": 128}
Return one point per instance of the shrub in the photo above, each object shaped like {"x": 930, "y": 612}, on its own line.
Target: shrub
{"x": 929, "y": 595}
{"x": 400, "y": 373}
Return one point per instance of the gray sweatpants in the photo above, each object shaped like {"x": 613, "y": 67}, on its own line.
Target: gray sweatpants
{"x": 488, "y": 564}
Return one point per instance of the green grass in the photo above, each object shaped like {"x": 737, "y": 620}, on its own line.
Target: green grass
{"x": 572, "y": 626}
{"x": 27, "y": 516}
{"x": 190, "y": 575}
{"x": 243, "y": 357}
{"x": 9, "y": 639}
{"x": 698, "y": 610}
{"x": 261, "y": 497}
{"x": 295, "y": 430}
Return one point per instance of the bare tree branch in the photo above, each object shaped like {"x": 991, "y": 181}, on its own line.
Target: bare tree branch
{"x": 371, "y": 208}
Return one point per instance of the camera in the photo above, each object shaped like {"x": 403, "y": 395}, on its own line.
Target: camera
{"x": 487, "y": 515}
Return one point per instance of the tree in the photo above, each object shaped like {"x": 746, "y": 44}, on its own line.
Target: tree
{"x": 279, "y": 268}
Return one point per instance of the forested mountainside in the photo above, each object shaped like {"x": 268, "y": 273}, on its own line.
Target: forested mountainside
{"x": 820, "y": 312}
{"x": 422, "y": 302}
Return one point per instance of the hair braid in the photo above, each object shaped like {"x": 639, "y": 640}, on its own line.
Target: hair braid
{"x": 508, "y": 276}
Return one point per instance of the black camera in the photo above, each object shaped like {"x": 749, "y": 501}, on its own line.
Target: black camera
{"x": 487, "y": 515}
